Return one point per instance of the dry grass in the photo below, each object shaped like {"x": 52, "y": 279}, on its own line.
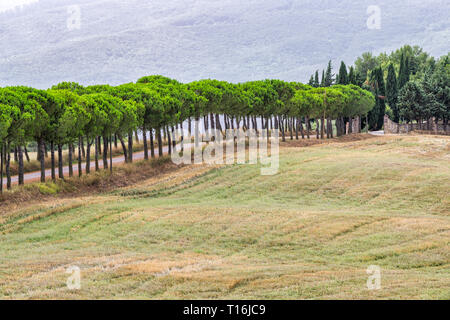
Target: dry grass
{"x": 96, "y": 182}
{"x": 228, "y": 233}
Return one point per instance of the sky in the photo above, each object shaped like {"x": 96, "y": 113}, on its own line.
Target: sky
{"x": 11, "y": 4}
{"x": 118, "y": 41}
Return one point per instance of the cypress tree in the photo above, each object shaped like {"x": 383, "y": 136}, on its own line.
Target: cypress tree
{"x": 400, "y": 72}
{"x": 316, "y": 79}
{"x": 328, "y": 82}
{"x": 376, "y": 116}
{"x": 403, "y": 75}
{"x": 343, "y": 76}
{"x": 407, "y": 69}
{"x": 322, "y": 82}
{"x": 392, "y": 91}
{"x": 311, "y": 81}
{"x": 352, "y": 76}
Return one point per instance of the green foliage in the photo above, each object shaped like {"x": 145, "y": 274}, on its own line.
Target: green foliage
{"x": 48, "y": 188}
{"x": 316, "y": 80}
{"x": 411, "y": 99}
{"x": 343, "y": 75}
{"x": 392, "y": 92}
{"x": 376, "y": 115}
{"x": 329, "y": 76}
{"x": 69, "y": 111}
{"x": 403, "y": 76}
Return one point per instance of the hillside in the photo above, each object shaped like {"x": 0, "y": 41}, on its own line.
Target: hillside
{"x": 229, "y": 233}
{"x": 119, "y": 41}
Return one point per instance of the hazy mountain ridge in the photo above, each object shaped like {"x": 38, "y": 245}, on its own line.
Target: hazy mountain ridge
{"x": 120, "y": 41}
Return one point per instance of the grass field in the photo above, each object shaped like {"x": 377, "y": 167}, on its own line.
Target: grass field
{"x": 227, "y": 232}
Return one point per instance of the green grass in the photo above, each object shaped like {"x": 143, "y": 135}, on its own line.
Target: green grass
{"x": 309, "y": 232}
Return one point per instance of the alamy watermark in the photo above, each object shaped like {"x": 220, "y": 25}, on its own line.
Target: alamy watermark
{"x": 74, "y": 19}
{"x": 234, "y": 146}
{"x": 374, "y": 20}
{"x": 374, "y": 279}
{"x": 74, "y": 280}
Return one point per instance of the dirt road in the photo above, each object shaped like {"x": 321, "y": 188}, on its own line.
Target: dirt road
{"x": 36, "y": 176}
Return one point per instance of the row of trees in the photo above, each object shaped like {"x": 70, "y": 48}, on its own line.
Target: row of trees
{"x": 408, "y": 85}
{"x": 70, "y": 116}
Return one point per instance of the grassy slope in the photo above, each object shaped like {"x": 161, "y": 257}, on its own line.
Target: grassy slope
{"x": 309, "y": 232}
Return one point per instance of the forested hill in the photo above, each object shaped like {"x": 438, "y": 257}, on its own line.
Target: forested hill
{"x": 232, "y": 40}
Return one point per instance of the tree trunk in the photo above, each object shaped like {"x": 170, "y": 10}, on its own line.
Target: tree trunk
{"x": 83, "y": 149}
{"x": 160, "y": 144}
{"x": 60, "y": 162}
{"x": 283, "y": 136}
{"x": 52, "y": 155}
{"x": 308, "y": 127}
{"x": 331, "y": 128}
{"x": 322, "y": 127}
{"x": 8, "y": 166}
{"x": 205, "y": 125}
{"x": 26, "y": 154}
{"x": 88, "y": 155}
{"x": 110, "y": 154}
{"x": 144, "y": 137}
{"x": 189, "y": 126}
{"x": 197, "y": 133}
{"x": 317, "y": 129}
{"x": 340, "y": 127}
{"x": 124, "y": 148}
{"x": 182, "y": 137}
{"x": 225, "y": 121}
{"x": 2, "y": 155}
{"x": 291, "y": 124}
{"x": 300, "y": 126}
{"x": 136, "y": 135}
{"x": 152, "y": 144}
{"x": 211, "y": 119}
{"x": 218, "y": 124}
{"x": 130, "y": 147}
{"x": 70, "y": 160}
{"x": 20, "y": 160}
{"x": 16, "y": 158}
{"x": 80, "y": 153}
{"x": 96, "y": 147}
{"x": 164, "y": 134}
{"x": 41, "y": 145}
{"x": 327, "y": 128}
{"x": 169, "y": 140}
{"x": 99, "y": 145}
{"x": 174, "y": 141}
{"x": 105, "y": 152}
